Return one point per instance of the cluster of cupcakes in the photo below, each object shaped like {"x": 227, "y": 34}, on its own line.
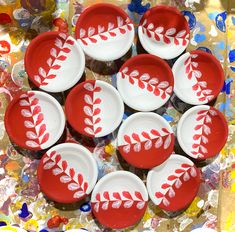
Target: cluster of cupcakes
{"x": 68, "y": 172}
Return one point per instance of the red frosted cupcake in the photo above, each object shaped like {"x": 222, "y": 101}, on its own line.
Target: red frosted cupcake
{"x": 54, "y": 61}
{"x": 71, "y": 168}
{"x": 145, "y": 82}
{"x": 145, "y": 140}
{"x": 119, "y": 200}
{"x": 163, "y": 31}
{"x": 94, "y": 108}
{"x": 199, "y": 77}
{"x": 174, "y": 184}
{"x": 34, "y": 120}
{"x": 105, "y": 32}
{"x": 202, "y": 132}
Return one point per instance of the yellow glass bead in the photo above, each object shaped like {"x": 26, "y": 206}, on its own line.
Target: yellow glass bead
{"x": 31, "y": 225}
{"x": 18, "y": 204}
{"x": 147, "y": 216}
{"x": 110, "y": 149}
{"x": 16, "y": 36}
{"x": 233, "y": 150}
{"x": 194, "y": 209}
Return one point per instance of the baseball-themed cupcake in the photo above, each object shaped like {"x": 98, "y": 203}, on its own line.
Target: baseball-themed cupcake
{"x": 198, "y": 76}
{"x": 202, "y": 132}
{"x": 145, "y": 140}
{"x": 119, "y": 200}
{"x": 67, "y": 173}
{"x": 34, "y": 120}
{"x": 54, "y": 61}
{"x": 163, "y": 31}
{"x": 94, "y": 108}
{"x": 145, "y": 82}
{"x": 174, "y": 184}
{"x": 105, "y": 32}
